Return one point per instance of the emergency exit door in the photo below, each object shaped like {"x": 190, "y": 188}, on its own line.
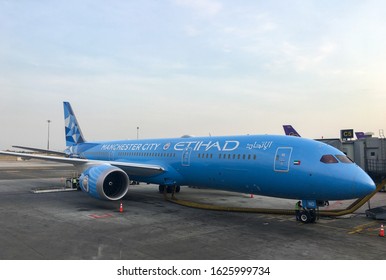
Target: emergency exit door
{"x": 282, "y": 159}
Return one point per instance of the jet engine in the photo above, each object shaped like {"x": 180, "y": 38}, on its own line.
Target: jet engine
{"x": 104, "y": 182}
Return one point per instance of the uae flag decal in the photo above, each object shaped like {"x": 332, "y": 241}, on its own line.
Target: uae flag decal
{"x": 296, "y": 162}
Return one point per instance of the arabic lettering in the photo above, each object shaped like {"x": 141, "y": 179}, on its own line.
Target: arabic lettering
{"x": 265, "y": 145}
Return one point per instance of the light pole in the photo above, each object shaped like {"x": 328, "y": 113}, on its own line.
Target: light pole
{"x": 48, "y": 138}
{"x": 137, "y": 132}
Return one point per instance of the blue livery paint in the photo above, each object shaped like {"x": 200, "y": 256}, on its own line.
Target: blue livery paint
{"x": 287, "y": 167}
{"x": 73, "y": 133}
{"x": 268, "y": 165}
{"x": 91, "y": 183}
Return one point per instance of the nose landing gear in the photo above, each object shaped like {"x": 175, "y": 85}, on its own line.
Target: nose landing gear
{"x": 310, "y": 211}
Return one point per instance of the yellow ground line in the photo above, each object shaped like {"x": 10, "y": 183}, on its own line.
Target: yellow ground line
{"x": 360, "y": 228}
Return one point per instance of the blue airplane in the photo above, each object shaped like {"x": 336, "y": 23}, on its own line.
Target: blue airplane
{"x": 267, "y": 165}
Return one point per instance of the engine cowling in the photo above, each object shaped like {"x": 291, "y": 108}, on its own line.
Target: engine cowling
{"x": 104, "y": 182}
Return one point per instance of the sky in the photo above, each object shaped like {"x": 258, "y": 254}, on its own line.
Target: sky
{"x": 196, "y": 67}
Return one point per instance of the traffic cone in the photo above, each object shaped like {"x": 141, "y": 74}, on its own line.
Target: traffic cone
{"x": 251, "y": 195}
{"x": 121, "y": 208}
{"x": 382, "y": 232}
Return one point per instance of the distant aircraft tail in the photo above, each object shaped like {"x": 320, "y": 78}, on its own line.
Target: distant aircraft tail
{"x": 290, "y": 131}
{"x": 360, "y": 135}
{"x": 74, "y": 135}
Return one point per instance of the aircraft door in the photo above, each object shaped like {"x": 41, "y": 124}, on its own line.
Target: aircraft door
{"x": 282, "y": 159}
{"x": 185, "y": 161}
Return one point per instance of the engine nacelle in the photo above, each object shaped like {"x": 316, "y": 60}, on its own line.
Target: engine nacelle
{"x": 104, "y": 182}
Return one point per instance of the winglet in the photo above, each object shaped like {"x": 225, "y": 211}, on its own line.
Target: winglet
{"x": 73, "y": 132}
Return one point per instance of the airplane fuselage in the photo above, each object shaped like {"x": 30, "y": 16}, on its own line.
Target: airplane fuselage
{"x": 269, "y": 165}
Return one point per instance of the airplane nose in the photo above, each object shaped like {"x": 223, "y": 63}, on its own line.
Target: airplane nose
{"x": 363, "y": 184}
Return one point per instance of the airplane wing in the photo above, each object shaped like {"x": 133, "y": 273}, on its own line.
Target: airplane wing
{"x": 136, "y": 169}
{"x": 41, "y": 150}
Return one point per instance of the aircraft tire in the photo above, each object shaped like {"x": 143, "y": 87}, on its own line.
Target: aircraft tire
{"x": 178, "y": 189}
{"x": 161, "y": 188}
{"x": 305, "y": 217}
{"x": 313, "y": 216}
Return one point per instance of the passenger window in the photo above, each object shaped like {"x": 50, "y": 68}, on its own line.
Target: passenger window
{"x": 328, "y": 159}
{"x": 344, "y": 159}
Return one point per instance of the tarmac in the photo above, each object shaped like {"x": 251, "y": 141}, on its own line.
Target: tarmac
{"x": 73, "y": 226}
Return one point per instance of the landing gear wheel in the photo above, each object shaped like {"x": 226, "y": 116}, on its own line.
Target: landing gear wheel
{"x": 308, "y": 216}
{"x": 161, "y": 188}
{"x": 313, "y": 216}
{"x": 305, "y": 217}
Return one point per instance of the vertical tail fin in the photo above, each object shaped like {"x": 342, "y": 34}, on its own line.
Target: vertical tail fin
{"x": 360, "y": 135}
{"x": 73, "y": 133}
{"x": 289, "y": 130}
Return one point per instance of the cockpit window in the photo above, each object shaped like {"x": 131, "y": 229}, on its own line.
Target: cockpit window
{"x": 344, "y": 159}
{"x": 328, "y": 159}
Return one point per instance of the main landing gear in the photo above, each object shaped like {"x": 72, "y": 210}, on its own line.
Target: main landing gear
{"x": 169, "y": 188}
